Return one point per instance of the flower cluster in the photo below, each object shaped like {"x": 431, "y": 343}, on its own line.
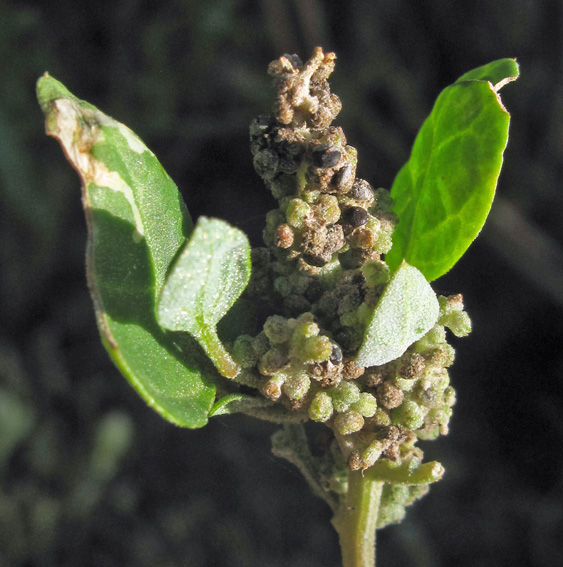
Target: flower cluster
{"x": 321, "y": 275}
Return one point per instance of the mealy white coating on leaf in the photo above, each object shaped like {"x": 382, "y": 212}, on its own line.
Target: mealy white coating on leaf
{"x": 72, "y": 135}
{"x": 206, "y": 279}
{"x": 406, "y": 311}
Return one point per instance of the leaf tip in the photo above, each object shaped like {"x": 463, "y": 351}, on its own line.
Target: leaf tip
{"x": 48, "y": 90}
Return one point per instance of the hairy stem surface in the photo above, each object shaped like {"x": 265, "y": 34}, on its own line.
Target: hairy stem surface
{"x": 356, "y": 521}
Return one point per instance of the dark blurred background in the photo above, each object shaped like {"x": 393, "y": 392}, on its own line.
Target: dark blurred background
{"x": 90, "y": 476}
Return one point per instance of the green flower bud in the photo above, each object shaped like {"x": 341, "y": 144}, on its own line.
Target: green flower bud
{"x": 375, "y": 273}
{"x": 366, "y": 405}
{"x": 345, "y": 394}
{"x": 348, "y": 422}
{"x": 409, "y": 414}
{"x": 381, "y": 418}
{"x": 430, "y": 393}
{"x": 328, "y": 209}
{"x": 404, "y": 384}
{"x": 305, "y": 327}
{"x": 384, "y": 241}
{"x": 299, "y": 282}
{"x": 321, "y": 407}
{"x": 273, "y": 361}
{"x": 449, "y": 396}
{"x": 296, "y": 386}
{"x": 452, "y": 315}
{"x": 297, "y": 212}
{"x": 260, "y": 344}
{"x": 349, "y": 319}
{"x": 243, "y": 353}
{"x": 429, "y": 432}
{"x": 311, "y": 197}
{"x": 382, "y": 200}
{"x": 277, "y": 329}
{"x": 316, "y": 349}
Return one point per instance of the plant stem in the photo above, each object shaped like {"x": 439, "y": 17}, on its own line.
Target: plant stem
{"x": 356, "y": 520}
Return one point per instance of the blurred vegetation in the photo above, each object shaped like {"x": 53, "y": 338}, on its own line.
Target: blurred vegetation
{"x": 92, "y": 477}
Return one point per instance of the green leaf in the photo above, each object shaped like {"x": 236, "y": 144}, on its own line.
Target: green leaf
{"x": 137, "y": 222}
{"x": 497, "y": 72}
{"x": 206, "y": 279}
{"x": 405, "y": 312}
{"x": 443, "y": 194}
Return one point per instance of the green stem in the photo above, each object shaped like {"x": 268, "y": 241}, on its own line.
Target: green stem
{"x": 356, "y": 520}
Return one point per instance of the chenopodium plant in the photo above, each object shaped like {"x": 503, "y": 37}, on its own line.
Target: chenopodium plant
{"x": 334, "y": 320}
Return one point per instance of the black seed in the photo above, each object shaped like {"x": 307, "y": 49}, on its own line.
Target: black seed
{"x": 355, "y": 216}
{"x": 344, "y": 178}
{"x": 356, "y": 258}
{"x": 313, "y": 260}
{"x": 325, "y": 156}
{"x": 314, "y": 291}
{"x": 336, "y": 355}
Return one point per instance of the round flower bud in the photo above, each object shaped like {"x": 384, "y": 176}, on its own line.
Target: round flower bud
{"x": 381, "y": 418}
{"x": 311, "y": 197}
{"x": 296, "y": 386}
{"x": 277, "y": 329}
{"x": 304, "y": 326}
{"x": 297, "y": 213}
{"x": 366, "y": 405}
{"x": 348, "y": 422}
{"x": 409, "y": 414}
{"x": 345, "y": 394}
{"x": 260, "y": 344}
{"x": 243, "y": 353}
{"x": 328, "y": 209}
{"x": 389, "y": 395}
{"x": 284, "y": 236}
{"x": 449, "y": 396}
{"x": 361, "y": 191}
{"x": 321, "y": 407}
{"x": 316, "y": 349}
{"x": 273, "y": 361}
